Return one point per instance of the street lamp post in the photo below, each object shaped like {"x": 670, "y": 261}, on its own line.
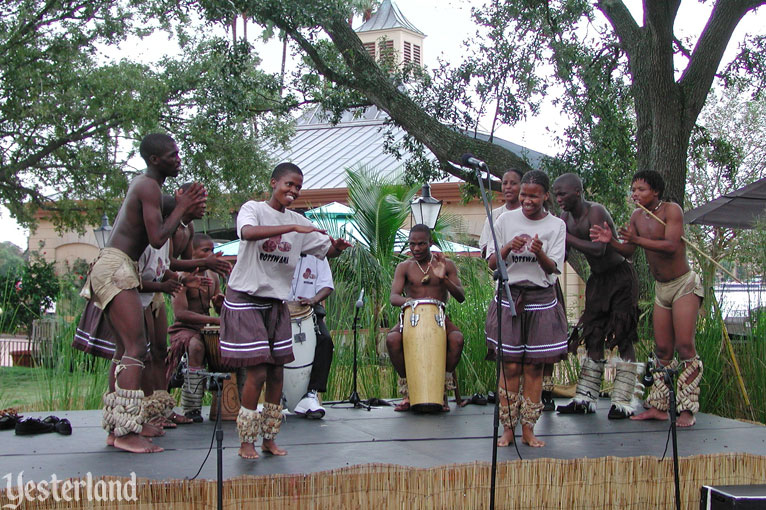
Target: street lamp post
{"x": 103, "y": 232}
{"x": 425, "y": 208}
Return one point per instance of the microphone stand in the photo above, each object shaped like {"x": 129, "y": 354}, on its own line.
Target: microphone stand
{"x": 215, "y": 382}
{"x": 503, "y": 287}
{"x": 219, "y": 439}
{"x": 668, "y": 374}
{"x": 354, "y": 399}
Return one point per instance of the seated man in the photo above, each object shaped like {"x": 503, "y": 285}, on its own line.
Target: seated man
{"x": 427, "y": 275}
{"x": 192, "y": 311}
{"x": 312, "y": 284}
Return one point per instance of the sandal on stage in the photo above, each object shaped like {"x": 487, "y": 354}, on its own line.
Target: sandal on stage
{"x": 9, "y": 418}
{"x": 181, "y": 419}
{"x": 195, "y": 416}
{"x": 478, "y": 399}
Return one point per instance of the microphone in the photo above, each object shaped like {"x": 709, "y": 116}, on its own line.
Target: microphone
{"x": 469, "y": 160}
{"x": 360, "y": 301}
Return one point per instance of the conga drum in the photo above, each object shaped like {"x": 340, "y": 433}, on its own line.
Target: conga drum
{"x": 424, "y": 336}
{"x": 298, "y": 372}
{"x": 229, "y": 392}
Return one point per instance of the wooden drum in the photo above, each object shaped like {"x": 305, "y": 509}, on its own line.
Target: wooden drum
{"x": 424, "y": 335}
{"x": 229, "y": 393}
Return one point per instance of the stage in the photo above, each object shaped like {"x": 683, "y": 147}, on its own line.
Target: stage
{"x": 390, "y": 444}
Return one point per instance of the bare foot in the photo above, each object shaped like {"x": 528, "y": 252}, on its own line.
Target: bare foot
{"x": 180, "y": 419}
{"x": 110, "y": 439}
{"x": 247, "y": 451}
{"x": 445, "y": 405}
{"x": 686, "y": 419}
{"x": 151, "y": 430}
{"x": 651, "y": 414}
{"x": 161, "y": 422}
{"x": 135, "y": 444}
{"x": 506, "y": 439}
{"x": 269, "y": 446}
{"x": 528, "y": 437}
{"x": 402, "y": 406}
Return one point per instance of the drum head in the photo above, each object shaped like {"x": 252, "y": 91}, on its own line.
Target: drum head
{"x": 211, "y": 329}
{"x": 299, "y": 311}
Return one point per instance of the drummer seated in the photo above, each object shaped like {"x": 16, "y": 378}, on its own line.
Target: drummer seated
{"x": 426, "y": 275}
{"x": 192, "y": 312}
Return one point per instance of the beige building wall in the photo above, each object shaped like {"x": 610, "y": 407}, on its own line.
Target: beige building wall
{"x": 63, "y": 248}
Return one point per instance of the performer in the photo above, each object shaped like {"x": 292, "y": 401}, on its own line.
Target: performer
{"x": 611, "y": 306}
{"x": 312, "y": 284}
{"x": 511, "y": 185}
{"x": 255, "y": 320}
{"x": 678, "y": 294}
{"x": 532, "y": 243}
{"x": 510, "y": 188}
{"x": 191, "y": 308}
{"x": 426, "y": 275}
{"x": 113, "y": 282}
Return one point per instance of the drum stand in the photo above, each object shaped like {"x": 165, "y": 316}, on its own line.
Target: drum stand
{"x": 503, "y": 288}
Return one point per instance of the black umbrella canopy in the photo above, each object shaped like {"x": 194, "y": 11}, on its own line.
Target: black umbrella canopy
{"x": 739, "y": 209}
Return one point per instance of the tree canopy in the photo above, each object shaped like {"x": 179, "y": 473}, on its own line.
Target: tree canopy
{"x": 633, "y": 88}
{"x": 71, "y": 116}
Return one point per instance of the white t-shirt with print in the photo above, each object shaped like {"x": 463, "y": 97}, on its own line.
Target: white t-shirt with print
{"x": 523, "y": 268}
{"x": 152, "y": 265}
{"x": 265, "y": 267}
{"x": 486, "y": 234}
{"x": 311, "y": 274}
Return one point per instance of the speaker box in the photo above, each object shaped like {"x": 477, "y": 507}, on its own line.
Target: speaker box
{"x": 733, "y": 497}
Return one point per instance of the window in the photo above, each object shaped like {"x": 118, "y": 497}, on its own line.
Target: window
{"x": 370, "y": 47}
{"x": 407, "y": 52}
{"x": 416, "y": 54}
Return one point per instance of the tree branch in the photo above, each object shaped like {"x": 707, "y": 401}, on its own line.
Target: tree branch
{"x": 625, "y": 27}
{"x": 699, "y": 74}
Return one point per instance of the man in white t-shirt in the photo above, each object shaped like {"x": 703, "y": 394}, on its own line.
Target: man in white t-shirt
{"x": 312, "y": 284}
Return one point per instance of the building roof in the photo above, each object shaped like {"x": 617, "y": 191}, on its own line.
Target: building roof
{"x": 324, "y": 151}
{"x": 388, "y": 16}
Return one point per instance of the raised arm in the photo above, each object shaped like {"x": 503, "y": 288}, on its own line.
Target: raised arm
{"x": 674, "y": 230}
{"x": 257, "y": 232}
{"x": 191, "y": 202}
{"x": 597, "y": 215}
{"x": 447, "y": 271}
{"x": 603, "y": 234}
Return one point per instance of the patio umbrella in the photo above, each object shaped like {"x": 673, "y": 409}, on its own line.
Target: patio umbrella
{"x": 738, "y": 209}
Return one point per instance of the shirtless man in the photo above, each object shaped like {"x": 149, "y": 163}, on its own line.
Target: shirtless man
{"x": 113, "y": 281}
{"x": 427, "y": 275}
{"x": 192, "y": 313}
{"x": 611, "y": 305}
{"x": 678, "y": 293}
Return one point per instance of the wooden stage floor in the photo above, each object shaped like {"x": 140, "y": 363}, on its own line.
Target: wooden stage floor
{"x": 347, "y": 437}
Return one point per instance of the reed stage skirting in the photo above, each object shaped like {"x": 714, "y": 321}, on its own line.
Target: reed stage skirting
{"x": 598, "y": 484}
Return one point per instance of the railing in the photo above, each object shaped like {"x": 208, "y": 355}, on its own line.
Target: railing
{"x": 27, "y": 352}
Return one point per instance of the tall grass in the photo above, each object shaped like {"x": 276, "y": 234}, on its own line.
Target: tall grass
{"x": 68, "y": 378}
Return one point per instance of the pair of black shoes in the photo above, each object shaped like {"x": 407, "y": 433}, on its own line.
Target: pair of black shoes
{"x": 32, "y": 426}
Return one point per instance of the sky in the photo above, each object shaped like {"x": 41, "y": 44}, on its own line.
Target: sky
{"x": 446, "y": 23}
